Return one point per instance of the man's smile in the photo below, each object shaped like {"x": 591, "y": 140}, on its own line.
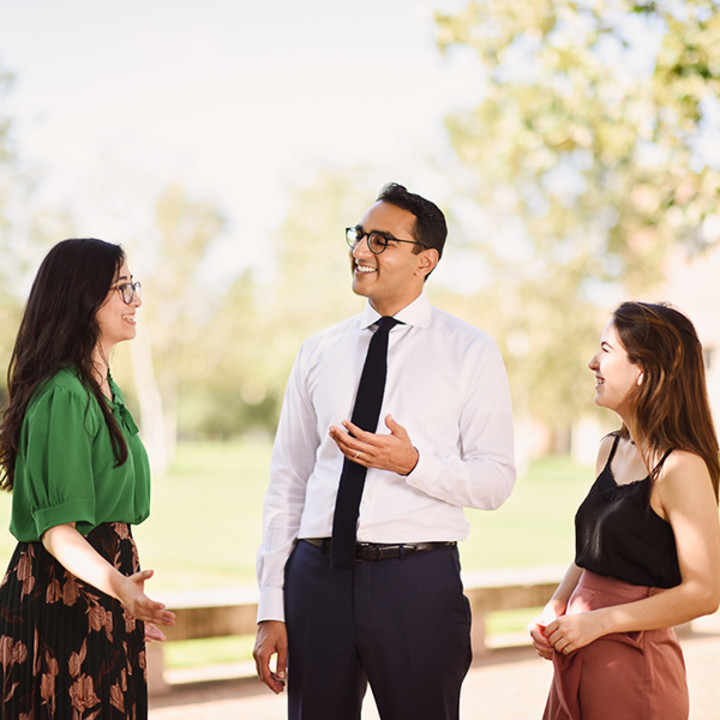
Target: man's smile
{"x": 364, "y": 268}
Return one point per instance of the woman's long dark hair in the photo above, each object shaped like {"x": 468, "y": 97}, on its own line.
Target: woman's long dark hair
{"x": 59, "y": 329}
{"x": 671, "y": 404}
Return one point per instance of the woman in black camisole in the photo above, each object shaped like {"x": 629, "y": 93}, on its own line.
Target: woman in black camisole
{"x": 647, "y": 553}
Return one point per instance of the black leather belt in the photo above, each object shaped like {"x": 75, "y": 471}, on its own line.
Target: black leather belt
{"x": 382, "y": 551}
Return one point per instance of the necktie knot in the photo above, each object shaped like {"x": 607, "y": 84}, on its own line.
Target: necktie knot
{"x": 386, "y": 323}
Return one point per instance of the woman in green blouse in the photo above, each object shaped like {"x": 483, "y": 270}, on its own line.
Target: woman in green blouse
{"x": 74, "y": 616}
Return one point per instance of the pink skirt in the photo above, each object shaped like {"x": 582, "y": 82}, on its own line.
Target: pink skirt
{"x": 623, "y": 676}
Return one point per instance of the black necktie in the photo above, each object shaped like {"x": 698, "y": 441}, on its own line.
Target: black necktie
{"x": 366, "y": 414}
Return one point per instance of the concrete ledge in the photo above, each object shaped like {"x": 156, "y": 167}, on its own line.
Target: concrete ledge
{"x": 233, "y": 612}
{"x": 211, "y": 613}
{"x": 507, "y": 589}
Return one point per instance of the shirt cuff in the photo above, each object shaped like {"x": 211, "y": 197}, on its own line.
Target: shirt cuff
{"x": 425, "y": 474}
{"x": 80, "y": 511}
{"x": 271, "y": 605}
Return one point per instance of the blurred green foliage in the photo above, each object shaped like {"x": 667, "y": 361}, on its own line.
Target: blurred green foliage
{"x": 586, "y": 145}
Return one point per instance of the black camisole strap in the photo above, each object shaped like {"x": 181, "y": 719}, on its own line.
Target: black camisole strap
{"x": 612, "y": 453}
{"x": 661, "y": 462}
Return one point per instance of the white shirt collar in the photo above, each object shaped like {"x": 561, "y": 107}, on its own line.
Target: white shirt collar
{"x": 417, "y": 313}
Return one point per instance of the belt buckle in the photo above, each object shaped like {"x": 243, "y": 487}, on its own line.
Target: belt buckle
{"x": 368, "y": 552}
{"x": 382, "y": 553}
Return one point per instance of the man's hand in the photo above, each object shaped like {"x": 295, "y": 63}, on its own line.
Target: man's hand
{"x": 271, "y": 639}
{"x": 394, "y": 452}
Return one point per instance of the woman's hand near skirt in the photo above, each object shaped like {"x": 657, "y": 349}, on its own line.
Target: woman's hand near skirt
{"x": 152, "y": 633}
{"x": 130, "y": 591}
{"x": 537, "y": 628}
{"x": 572, "y": 632}
{"x": 76, "y": 555}
{"x": 552, "y": 611}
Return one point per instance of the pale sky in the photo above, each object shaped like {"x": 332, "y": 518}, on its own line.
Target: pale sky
{"x": 235, "y": 99}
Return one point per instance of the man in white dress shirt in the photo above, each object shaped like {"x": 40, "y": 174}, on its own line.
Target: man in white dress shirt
{"x": 397, "y": 618}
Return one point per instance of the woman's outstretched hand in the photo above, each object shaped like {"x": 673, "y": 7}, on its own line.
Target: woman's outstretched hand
{"x": 130, "y": 591}
{"x": 152, "y": 633}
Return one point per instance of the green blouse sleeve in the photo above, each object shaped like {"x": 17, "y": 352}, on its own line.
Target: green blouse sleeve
{"x": 58, "y": 482}
{"x": 66, "y": 471}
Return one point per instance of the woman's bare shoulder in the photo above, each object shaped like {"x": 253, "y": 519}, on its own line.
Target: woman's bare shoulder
{"x": 684, "y": 464}
{"x": 684, "y": 476}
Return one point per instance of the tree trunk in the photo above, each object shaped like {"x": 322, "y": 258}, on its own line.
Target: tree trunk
{"x": 150, "y": 401}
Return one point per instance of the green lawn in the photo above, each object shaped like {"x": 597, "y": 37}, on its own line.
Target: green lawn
{"x": 535, "y": 525}
{"x": 205, "y": 525}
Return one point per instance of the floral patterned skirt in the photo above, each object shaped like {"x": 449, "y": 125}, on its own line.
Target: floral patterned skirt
{"x": 67, "y": 650}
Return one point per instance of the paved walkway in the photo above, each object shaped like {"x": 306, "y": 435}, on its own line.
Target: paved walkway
{"x": 509, "y": 684}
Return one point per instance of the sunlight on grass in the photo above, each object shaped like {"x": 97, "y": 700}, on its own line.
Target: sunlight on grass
{"x": 200, "y": 653}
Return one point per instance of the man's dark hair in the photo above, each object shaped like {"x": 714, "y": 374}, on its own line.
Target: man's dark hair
{"x": 430, "y": 225}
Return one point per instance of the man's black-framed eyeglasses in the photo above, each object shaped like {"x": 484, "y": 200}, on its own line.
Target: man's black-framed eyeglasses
{"x": 128, "y": 291}
{"x": 376, "y": 239}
